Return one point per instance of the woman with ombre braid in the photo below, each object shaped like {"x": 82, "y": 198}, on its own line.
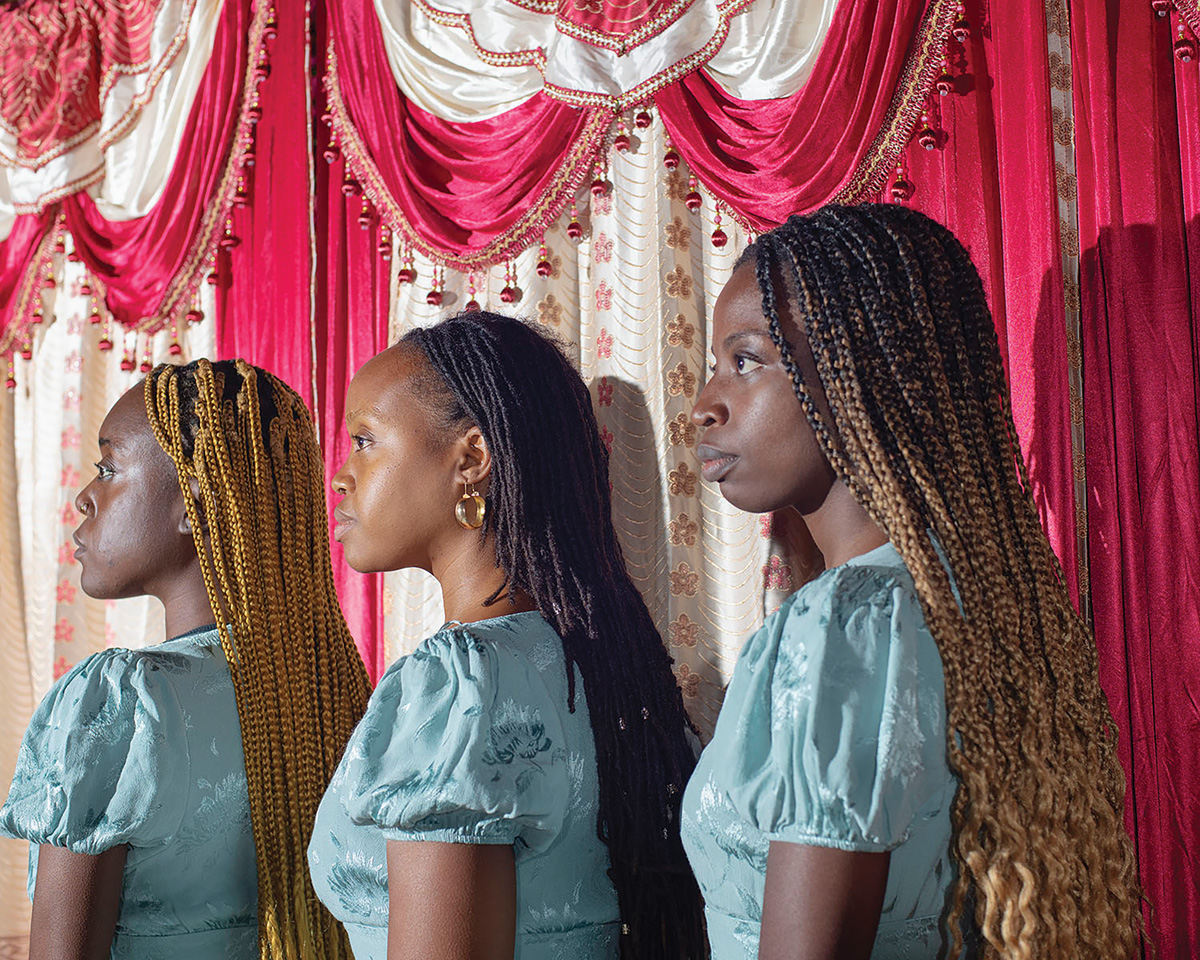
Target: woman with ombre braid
{"x": 169, "y": 792}
{"x": 515, "y": 784}
{"x": 915, "y": 751}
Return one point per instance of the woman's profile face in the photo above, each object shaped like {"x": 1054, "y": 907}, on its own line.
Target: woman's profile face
{"x": 133, "y": 538}
{"x": 398, "y": 483}
{"x": 757, "y": 443}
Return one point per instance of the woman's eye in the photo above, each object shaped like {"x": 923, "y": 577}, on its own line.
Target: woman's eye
{"x": 359, "y": 441}
{"x": 746, "y": 364}
{"x": 103, "y": 471}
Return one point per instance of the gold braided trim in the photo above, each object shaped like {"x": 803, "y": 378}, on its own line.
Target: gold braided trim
{"x": 568, "y": 179}
{"x": 64, "y": 146}
{"x": 29, "y": 293}
{"x": 1189, "y": 10}
{"x": 182, "y": 289}
{"x": 578, "y": 98}
{"x": 920, "y": 70}
{"x": 622, "y": 44}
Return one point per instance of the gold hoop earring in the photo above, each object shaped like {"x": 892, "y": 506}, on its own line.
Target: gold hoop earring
{"x": 470, "y": 509}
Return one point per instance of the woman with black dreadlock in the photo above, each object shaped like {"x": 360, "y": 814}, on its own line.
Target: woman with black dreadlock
{"x": 535, "y": 745}
{"x": 168, "y": 793}
{"x": 914, "y": 757}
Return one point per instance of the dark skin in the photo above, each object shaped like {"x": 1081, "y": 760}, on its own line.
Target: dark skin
{"x": 134, "y": 540}
{"x": 819, "y": 903}
{"x": 399, "y": 486}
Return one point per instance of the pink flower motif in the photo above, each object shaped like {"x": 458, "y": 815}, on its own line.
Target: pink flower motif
{"x": 683, "y": 631}
{"x": 689, "y": 680}
{"x": 66, "y": 554}
{"x": 606, "y": 438}
{"x": 65, "y": 593}
{"x": 71, "y": 399}
{"x": 68, "y": 514}
{"x": 684, "y": 581}
{"x": 602, "y": 205}
{"x": 765, "y": 523}
{"x": 74, "y": 362}
{"x": 604, "y": 392}
{"x": 604, "y": 344}
{"x": 777, "y": 575}
{"x": 602, "y": 248}
{"x": 60, "y": 667}
{"x": 75, "y": 325}
{"x": 70, "y": 437}
{"x": 110, "y": 635}
{"x": 70, "y": 477}
{"x": 63, "y": 631}
{"x": 604, "y": 296}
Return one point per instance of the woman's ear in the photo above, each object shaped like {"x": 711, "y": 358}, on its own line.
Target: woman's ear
{"x": 475, "y": 459}
{"x": 185, "y": 522}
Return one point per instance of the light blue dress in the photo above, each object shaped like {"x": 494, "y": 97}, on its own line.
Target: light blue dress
{"x": 469, "y": 740}
{"x": 143, "y": 747}
{"x": 832, "y": 733}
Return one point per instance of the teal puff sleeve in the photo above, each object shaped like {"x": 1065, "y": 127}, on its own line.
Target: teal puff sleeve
{"x": 101, "y": 760}
{"x": 458, "y": 745}
{"x": 847, "y": 749}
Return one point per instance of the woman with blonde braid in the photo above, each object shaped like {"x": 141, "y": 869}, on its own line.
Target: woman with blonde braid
{"x": 914, "y": 757}
{"x": 168, "y": 793}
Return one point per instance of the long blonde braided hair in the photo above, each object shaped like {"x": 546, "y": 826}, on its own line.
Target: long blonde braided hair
{"x": 923, "y": 434}
{"x": 243, "y": 443}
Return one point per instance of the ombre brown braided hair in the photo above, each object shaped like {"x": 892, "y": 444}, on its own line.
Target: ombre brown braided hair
{"x": 244, "y": 445}
{"x": 922, "y": 433}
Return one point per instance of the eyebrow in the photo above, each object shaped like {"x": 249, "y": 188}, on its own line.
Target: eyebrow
{"x": 739, "y": 335}
{"x": 106, "y": 442}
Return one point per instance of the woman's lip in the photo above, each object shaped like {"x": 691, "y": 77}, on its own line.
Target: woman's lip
{"x": 339, "y": 528}
{"x": 715, "y": 469}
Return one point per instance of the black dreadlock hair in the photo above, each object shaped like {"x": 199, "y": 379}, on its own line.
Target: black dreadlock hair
{"x": 922, "y": 432}
{"x": 550, "y": 514}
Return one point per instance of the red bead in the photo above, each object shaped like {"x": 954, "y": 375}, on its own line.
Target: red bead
{"x": 1161, "y": 8}
{"x": 146, "y": 366}
{"x": 544, "y": 268}
{"x": 944, "y": 85}
{"x": 901, "y": 190}
{"x": 671, "y": 160}
{"x": 248, "y": 158}
{"x": 719, "y": 239}
{"x": 1185, "y": 50}
{"x": 60, "y": 245}
{"x": 228, "y": 242}
{"x": 105, "y": 344}
{"x": 27, "y": 352}
{"x": 240, "y": 199}
{"x": 574, "y": 230}
{"x": 693, "y": 201}
{"x": 472, "y": 306}
{"x": 331, "y": 154}
{"x": 48, "y": 283}
{"x": 508, "y": 295}
{"x": 254, "y": 114}
{"x": 127, "y": 364}
{"x": 406, "y": 275}
{"x": 434, "y": 298}
{"x": 194, "y": 315}
{"x": 598, "y": 187}
{"x": 262, "y": 70}
{"x": 85, "y": 289}
{"x": 94, "y": 317}
{"x": 10, "y": 384}
{"x": 174, "y": 349}
{"x": 621, "y": 142}
{"x": 327, "y": 118}
{"x": 642, "y": 120}
{"x": 364, "y": 219}
{"x": 271, "y": 29}
{"x": 961, "y": 30}
{"x": 385, "y": 251}
{"x": 349, "y": 188}
{"x": 37, "y": 316}
{"x": 927, "y": 138}
{"x": 73, "y": 256}
{"x": 213, "y": 278}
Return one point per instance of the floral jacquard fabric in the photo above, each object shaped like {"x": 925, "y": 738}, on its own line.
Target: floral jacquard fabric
{"x": 143, "y": 747}
{"x": 832, "y": 734}
{"x": 469, "y": 739}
